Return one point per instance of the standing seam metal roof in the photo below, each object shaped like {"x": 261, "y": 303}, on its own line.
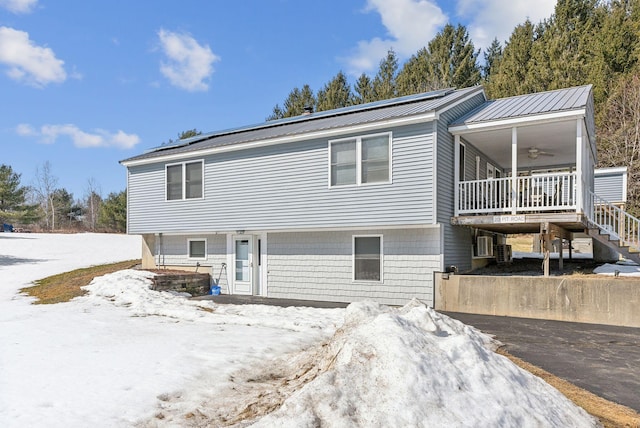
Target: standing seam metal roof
{"x": 529, "y": 104}
{"x": 333, "y": 119}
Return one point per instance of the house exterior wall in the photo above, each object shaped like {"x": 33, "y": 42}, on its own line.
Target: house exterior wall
{"x": 319, "y": 266}
{"x": 171, "y": 252}
{"x": 457, "y": 241}
{"x": 287, "y": 187}
{"x": 611, "y": 185}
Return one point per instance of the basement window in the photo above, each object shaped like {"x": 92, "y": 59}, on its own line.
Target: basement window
{"x": 367, "y": 258}
{"x": 197, "y": 248}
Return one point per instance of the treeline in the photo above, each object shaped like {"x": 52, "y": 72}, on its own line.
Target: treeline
{"x": 44, "y": 206}
{"x": 582, "y": 42}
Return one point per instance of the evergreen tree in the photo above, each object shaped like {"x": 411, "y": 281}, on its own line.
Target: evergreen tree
{"x": 335, "y": 94}
{"x": 416, "y": 75}
{"x": 276, "y": 113}
{"x": 510, "y": 76}
{"x": 294, "y": 105}
{"x": 13, "y": 205}
{"x": 492, "y": 58}
{"x": 560, "y": 56}
{"x": 384, "y": 83}
{"x": 615, "y": 47}
{"x": 113, "y": 215}
{"x": 363, "y": 90}
{"x": 453, "y": 58}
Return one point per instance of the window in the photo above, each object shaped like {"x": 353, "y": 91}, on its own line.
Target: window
{"x": 360, "y": 160}
{"x": 184, "y": 180}
{"x": 367, "y": 258}
{"x": 462, "y": 163}
{"x": 197, "y": 248}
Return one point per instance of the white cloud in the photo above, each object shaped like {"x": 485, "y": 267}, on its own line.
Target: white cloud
{"x": 27, "y": 62}
{"x": 19, "y": 6}
{"x": 410, "y": 25}
{"x": 497, "y": 18}
{"x": 49, "y": 134}
{"x": 188, "y": 64}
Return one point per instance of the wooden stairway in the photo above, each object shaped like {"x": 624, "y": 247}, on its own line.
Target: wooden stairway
{"x": 614, "y": 228}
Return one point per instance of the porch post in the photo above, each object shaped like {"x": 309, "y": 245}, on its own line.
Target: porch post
{"x": 514, "y": 170}
{"x": 456, "y": 175}
{"x": 579, "y": 166}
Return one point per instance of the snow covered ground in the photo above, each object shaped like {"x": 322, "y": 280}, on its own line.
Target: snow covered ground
{"x": 124, "y": 355}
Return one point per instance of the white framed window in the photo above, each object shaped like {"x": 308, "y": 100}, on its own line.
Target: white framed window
{"x": 491, "y": 171}
{"x": 184, "y": 180}
{"x": 367, "y": 258}
{"x": 461, "y": 165}
{"x": 197, "y": 249}
{"x": 360, "y": 160}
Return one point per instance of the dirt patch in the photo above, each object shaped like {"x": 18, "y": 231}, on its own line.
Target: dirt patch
{"x": 533, "y": 267}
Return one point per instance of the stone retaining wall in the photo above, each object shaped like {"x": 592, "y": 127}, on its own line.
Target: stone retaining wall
{"x": 196, "y": 284}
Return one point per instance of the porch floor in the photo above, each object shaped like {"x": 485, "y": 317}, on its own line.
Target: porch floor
{"x": 523, "y": 223}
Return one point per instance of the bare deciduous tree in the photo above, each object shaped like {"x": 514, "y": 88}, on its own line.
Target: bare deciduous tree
{"x": 619, "y": 135}
{"x": 45, "y": 187}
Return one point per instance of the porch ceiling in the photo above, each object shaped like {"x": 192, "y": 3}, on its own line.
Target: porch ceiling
{"x": 557, "y": 138}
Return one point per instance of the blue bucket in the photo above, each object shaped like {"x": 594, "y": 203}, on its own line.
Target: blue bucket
{"x": 215, "y": 290}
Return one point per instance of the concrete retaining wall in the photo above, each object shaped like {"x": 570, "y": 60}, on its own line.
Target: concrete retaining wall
{"x": 613, "y": 301}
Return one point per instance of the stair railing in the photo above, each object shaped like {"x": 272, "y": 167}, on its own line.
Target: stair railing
{"x": 614, "y": 221}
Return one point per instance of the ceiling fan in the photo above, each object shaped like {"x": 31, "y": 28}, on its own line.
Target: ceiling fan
{"x": 534, "y": 152}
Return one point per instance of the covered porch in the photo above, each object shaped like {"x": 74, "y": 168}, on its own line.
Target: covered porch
{"x": 526, "y": 164}
{"x": 528, "y": 154}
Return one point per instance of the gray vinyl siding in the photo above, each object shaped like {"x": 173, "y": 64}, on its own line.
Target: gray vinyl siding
{"x": 610, "y": 187}
{"x": 319, "y": 266}
{"x": 457, "y": 248}
{"x": 286, "y": 187}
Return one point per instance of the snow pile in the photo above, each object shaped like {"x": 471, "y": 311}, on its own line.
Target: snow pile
{"x": 388, "y": 367}
{"x": 131, "y": 289}
{"x": 623, "y": 269}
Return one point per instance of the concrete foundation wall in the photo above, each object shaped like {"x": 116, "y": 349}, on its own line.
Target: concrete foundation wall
{"x": 612, "y": 301}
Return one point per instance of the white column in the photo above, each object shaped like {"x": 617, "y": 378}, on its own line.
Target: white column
{"x": 456, "y": 174}
{"x": 579, "y": 166}
{"x": 514, "y": 170}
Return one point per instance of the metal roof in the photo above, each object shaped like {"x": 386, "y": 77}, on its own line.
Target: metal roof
{"x": 528, "y": 105}
{"x": 332, "y": 119}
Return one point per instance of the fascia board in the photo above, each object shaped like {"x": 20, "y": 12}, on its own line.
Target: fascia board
{"x": 537, "y": 119}
{"x": 426, "y": 117}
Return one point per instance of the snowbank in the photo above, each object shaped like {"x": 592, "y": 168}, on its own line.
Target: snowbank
{"x": 125, "y": 355}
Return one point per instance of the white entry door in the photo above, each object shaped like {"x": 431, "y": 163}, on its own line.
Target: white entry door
{"x": 243, "y": 264}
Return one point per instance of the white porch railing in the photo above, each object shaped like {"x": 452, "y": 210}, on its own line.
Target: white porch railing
{"x": 534, "y": 193}
{"x": 614, "y": 221}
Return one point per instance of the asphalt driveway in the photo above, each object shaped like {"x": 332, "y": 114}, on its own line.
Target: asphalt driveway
{"x": 602, "y": 359}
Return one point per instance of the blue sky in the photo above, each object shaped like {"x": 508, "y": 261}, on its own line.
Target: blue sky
{"x": 85, "y": 84}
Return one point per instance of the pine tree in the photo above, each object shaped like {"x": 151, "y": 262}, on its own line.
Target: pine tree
{"x": 13, "y": 205}
{"x": 384, "y": 83}
{"x": 560, "y": 55}
{"x": 453, "y": 58}
{"x": 296, "y": 102}
{"x": 335, "y": 94}
{"x": 113, "y": 214}
{"x": 415, "y": 76}
{"x": 492, "y": 58}
{"x": 363, "y": 90}
{"x": 510, "y": 76}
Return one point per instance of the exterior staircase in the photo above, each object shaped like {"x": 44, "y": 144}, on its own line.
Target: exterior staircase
{"x": 614, "y": 227}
